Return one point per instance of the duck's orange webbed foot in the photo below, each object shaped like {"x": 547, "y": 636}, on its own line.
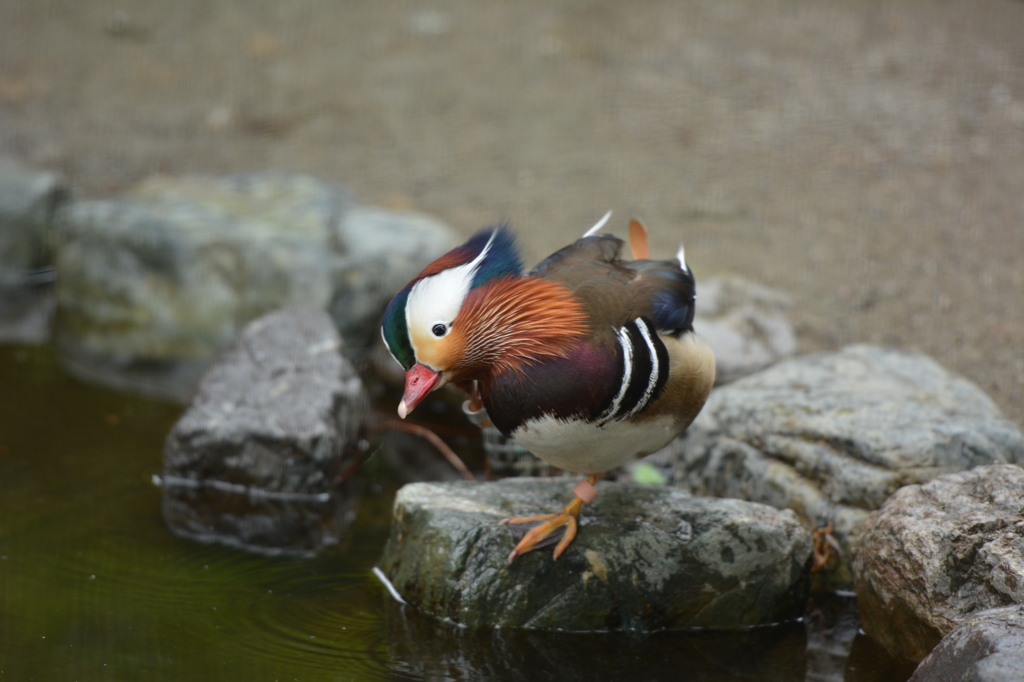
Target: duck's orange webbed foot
{"x": 585, "y": 492}
{"x": 826, "y": 548}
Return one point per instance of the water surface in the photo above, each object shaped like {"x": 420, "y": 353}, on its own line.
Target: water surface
{"x": 94, "y": 587}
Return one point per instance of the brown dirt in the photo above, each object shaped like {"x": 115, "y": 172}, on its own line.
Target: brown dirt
{"x": 865, "y": 157}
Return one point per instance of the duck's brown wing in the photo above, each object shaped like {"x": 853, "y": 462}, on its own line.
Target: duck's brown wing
{"x": 616, "y": 292}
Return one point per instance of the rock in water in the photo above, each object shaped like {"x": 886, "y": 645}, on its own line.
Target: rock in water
{"x": 29, "y": 201}
{"x": 154, "y": 283}
{"x": 832, "y": 435}
{"x": 987, "y": 648}
{"x": 935, "y": 554}
{"x": 254, "y": 459}
{"x": 645, "y": 559}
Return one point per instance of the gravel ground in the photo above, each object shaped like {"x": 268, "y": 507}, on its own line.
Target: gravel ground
{"x": 865, "y": 157}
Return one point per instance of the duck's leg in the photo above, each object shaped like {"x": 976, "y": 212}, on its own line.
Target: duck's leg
{"x": 584, "y": 491}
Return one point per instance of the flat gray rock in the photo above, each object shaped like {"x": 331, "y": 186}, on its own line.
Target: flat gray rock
{"x": 645, "y": 559}
{"x": 989, "y": 647}
{"x": 745, "y": 324}
{"x": 832, "y": 435}
{"x": 155, "y": 282}
{"x": 273, "y": 424}
{"x": 936, "y": 554}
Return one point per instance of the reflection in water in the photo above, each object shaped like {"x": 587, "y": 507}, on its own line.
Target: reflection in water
{"x": 298, "y": 524}
{"x": 868, "y": 662}
{"x": 428, "y": 649}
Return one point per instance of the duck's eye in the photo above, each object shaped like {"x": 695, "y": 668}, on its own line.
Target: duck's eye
{"x": 439, "y": 330}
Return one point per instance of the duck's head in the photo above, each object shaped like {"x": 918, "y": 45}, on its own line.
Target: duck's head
{"x": 422, "y": 326}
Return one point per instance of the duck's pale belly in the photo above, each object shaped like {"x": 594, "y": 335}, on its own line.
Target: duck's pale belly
{"x": 586, "y": 448}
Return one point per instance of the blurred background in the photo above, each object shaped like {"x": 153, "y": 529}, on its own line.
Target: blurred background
{"x": 865, "y": 157}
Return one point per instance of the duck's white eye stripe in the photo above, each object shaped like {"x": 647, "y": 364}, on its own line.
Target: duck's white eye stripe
{"x": 440, "y": 296}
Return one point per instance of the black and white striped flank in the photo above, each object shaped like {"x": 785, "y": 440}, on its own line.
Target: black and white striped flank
{"x": 645, "y": 366}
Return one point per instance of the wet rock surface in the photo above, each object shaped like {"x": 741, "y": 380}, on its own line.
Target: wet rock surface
{"x": 936, "y": 554}
{"x": 989, "y": 647}
{"x": 274, "y": 422}
{"x": 645, "y": 559}
{"x": 832, "y": 435}
{"x": 155, "y": 282}
{"x": 745, "y": 324}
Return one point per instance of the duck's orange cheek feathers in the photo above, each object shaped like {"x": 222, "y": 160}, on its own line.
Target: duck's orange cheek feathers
{"x": 438, "y": 354}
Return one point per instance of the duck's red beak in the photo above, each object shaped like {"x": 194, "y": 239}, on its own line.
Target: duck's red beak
{"x": 419, "y": 381}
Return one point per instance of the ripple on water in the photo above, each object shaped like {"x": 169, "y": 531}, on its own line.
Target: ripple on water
{"x": 331, "y": 622}
{"x": 278, "y": 613}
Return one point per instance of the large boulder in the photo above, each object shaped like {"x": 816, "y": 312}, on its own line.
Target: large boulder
{"x": 154, "y": 283}
{"x": 936, "y": 554}
{"x": 988, "y": 647}
{"x": 645, "y": 559}
{"x": 255, "y": 459}
{"x": 833, "y": 435}
{"x": 745, "y": 324}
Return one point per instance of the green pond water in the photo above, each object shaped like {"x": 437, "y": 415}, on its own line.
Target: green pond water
{"x": 94, "y": 587}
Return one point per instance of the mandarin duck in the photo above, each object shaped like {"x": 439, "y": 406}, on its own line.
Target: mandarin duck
{"x": 588, "y": 361}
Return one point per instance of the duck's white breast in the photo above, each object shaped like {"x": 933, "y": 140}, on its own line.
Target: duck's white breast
{"x": 587, "y": 448}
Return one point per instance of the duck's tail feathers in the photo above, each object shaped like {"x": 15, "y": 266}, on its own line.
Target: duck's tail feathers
{"x": 600, "y": 223}
{"x": 681, "y": 257}
{"x": 638, "y": 240}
